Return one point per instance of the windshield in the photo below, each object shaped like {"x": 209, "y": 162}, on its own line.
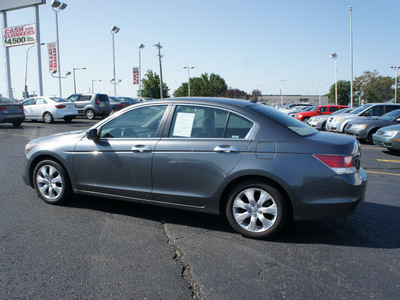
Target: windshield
{"x": 286, "y": 121}
{"x": 391, "y": 115}
{"x": 360, "y": 109}
{"x": 342, "y": 111}
{"x": 58, "y": 100}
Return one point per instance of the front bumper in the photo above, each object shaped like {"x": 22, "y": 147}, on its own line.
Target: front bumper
{"x": 388, "y": 143}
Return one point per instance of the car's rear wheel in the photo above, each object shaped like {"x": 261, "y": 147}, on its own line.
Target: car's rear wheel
{"x": 48, "y": 118}
{"x": 68, "y": 119}
{"x": 51, "y": 182}
{"x": 256, "y": 210}
{"x": 90, "y": 114}
{"x": 16, "y": 123}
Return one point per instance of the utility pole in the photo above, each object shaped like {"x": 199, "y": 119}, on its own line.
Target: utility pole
{"x": 159, "y": 60}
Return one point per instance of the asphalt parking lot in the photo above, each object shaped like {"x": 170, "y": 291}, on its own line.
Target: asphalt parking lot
{"x": 96, "y": 248}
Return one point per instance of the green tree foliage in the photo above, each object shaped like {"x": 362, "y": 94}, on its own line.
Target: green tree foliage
{"x": 206, "y": 85}
{"x": 343, "y": 87}
{"x": 235, "y": 94}
{"x": 371, "y": 87}
{"x": 151, "y": 82}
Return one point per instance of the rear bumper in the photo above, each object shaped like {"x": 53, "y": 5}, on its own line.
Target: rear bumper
{"x": 9, "y": 118}
{"x": 339, "y": 196}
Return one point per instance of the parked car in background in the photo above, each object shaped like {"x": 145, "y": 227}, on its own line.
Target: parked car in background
{"x": 130, "y": 100}
{"x": 49, "y": 108}
{"x": 285, "y": 108}
{"x": 297, "y": 109}
{"x": 117, "y": 103}
{"x": 388, "y": 137}
{"x": 256, "y": 165}
{"x": 11, "y": 112}
{"x": 363, "y": 130}
{"x": 319, "y": 122}
{"x": 361, "y": 113}
{"x": 91, "y": 105}
{"x": 318, "y": 111}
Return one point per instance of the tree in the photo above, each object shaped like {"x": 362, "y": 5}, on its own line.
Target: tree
{"x": 235, "y": 94}
{"x": 206, "y": 85}
{"x": 343, "y": 87}
{"x": 151, "y": 86}
{"x": 371, "y": 87}
{"x": 256, "y": 95}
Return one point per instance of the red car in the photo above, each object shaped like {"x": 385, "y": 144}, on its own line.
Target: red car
{"x": 319, "y": 110}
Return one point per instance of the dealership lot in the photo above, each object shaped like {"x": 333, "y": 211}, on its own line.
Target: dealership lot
{"x": 96, "y": 248}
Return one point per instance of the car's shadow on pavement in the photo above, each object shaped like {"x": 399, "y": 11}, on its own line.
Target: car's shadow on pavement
{"x": 392, "y": 153}
{"x": 372, "y": 226}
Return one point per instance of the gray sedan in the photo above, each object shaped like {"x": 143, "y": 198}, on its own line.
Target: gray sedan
{"x": 259, "y": 167}
{"x": 11, "y": 112}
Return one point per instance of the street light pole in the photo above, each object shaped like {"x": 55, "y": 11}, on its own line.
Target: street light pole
{"x": 73, "y": 70}
{"x": 141, "y": 46}
{"x": 334, "y": 56}
{"x": 395, "y": 83}
{"x": 93, "y": 80}
{"x": 351, "y": 56}
{"x": 319, "y": 86}
{"x": 188, "y": 68}
{"x": 57, "y": 6}
{"x": 282, "y": 81}
{"x": 159, "y": 59}
{"x": 114, "y": 31}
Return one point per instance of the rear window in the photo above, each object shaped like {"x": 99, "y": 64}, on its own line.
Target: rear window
{"x": 58, "y": 99}
{"x": 284, "y": 120}
{"x": 103, "y": 98}
{"x": 7, "y": 101}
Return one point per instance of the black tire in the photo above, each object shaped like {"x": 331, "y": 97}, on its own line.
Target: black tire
{"x": 68, "y": 119}
{"x": 323, "y": 127}
{"x": 90, "y": 114}
{"x": 259, "y": 219}
{"x": 373, "y": 131}
{"x": 17, "y": 123}
{"x": 305, "y": 120}
{"x": 48, "y": 117}
{"x": 51, "y": 182}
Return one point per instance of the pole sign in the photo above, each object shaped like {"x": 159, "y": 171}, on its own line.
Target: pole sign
{"x": 135, "y": 76}
{"x": 19, "y": 35}
{"x": 52, "y": 48}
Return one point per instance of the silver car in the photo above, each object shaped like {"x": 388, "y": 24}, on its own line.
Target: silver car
{"x": 366, "y": 111}
{"x": 319, "y": 122}
{"x": 259, "y": 167}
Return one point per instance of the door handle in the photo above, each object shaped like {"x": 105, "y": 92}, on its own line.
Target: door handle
{"x": 226, "y": 149}
{"x": 140, "y": 148}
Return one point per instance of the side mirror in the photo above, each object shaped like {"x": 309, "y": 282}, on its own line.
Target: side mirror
{"x": 92, "y": 135}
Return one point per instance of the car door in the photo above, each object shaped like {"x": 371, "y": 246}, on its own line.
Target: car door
{"x": 81, "y": 103}
{"x": 28, "y": 107}
{"x": 197, "y": 151}
{"x": 119, "y": 162}
{"x": 39, "y": 108}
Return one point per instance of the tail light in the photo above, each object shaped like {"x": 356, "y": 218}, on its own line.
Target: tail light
{"x": 60, "y": 106}
{"x": 341, "y": 164}
{"x": 97, "y": 100}
{"x": 122, "y": 104}
{"x": 2, "y": 108}
{"x": 21, "y": 107}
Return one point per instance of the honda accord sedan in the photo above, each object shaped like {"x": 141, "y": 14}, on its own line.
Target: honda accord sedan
{"x": 258, "y": 166}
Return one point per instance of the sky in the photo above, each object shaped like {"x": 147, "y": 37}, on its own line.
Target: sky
{"x": 251, "y": 44}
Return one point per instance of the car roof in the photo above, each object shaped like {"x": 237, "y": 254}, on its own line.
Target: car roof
{"x": 205, "y": 101}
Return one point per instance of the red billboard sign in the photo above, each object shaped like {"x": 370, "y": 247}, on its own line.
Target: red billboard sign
{"x": 52, "y": 48}
{"x": 135, "y": 76}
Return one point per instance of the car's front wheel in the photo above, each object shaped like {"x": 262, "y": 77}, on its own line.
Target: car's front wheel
{"x": 256, "y": 210}
{"x": 51, "y": 182}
